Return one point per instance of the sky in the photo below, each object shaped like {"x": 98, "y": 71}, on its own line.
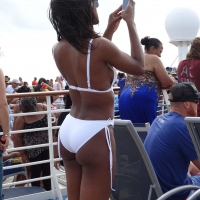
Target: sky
{"x": 27, "y": 36}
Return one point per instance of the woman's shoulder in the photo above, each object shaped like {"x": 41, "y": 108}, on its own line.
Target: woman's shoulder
{"x": 41, "y": 106}
{"x": 151, "y": 58}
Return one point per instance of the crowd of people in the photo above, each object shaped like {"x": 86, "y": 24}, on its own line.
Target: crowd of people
{"x": 86, "y": 139}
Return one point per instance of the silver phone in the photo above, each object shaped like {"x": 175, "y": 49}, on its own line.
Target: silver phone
{"x": 125, "y": 3}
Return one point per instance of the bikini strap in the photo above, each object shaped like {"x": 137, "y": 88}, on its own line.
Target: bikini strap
{"x": 88, "y": 63}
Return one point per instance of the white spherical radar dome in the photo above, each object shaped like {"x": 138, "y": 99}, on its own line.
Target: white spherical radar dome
{"x": 182, "y": 24}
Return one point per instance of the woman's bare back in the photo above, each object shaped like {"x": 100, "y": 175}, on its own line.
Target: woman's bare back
{"x": 73, "y": 66}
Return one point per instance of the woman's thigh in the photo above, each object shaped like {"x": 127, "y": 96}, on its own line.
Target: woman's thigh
{"x": 73, "y": 172}
{"x": 94, "y": 157}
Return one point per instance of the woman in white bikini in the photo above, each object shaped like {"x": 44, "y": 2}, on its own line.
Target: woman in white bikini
{"x": 84, "y": 58}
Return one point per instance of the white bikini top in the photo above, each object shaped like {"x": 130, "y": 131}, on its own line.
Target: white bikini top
{"x": 88, "y": 77}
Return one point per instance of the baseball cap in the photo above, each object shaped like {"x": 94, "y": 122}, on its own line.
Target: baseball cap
{"x": 185, "y": 91}
{"x": 15, "y": 81}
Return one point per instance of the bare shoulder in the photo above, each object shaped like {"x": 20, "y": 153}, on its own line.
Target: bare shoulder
{"x": 61, "y": 46}
{"x": 152, "y": 58}
{"x": 19, "y": 119}
{"x": 103, "y": 42}
{"x": 41, "y": 106}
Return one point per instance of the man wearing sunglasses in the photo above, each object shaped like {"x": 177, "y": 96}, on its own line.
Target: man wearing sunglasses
{"x": 169, "y": 144}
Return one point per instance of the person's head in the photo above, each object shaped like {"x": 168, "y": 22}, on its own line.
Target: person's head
{"x": 35, "y": 78}
{"x": 58, "y": 78}
{"x": 194, "y": 52}
{"x": 23, "y": 89}
{"x": 15, "y": 83}
{"x": 73, "y": 21}
{"x": 25, "y": 83}
{"x": 39, "y": 88}
{"x": 184, "y": 98}
{"x": 20, "y": 78}
{"x": 28, "y": 104}
{"x": 152, "y": 46}
{"x": 121, "y": 75}
{"x": 42, "y": 80}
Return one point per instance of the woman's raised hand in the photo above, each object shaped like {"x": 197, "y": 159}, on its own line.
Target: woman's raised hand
{"x": 113, "y": 23}
{"x": 129, "y": 13}
{"x": 114, "y": 19}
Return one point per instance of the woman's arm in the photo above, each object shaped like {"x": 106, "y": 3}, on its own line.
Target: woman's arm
{"x": 133, "y": 64}
{"x": 161, "y": 73}
{"x": 18, "y": 141}
{"x": 113, "y": 23}
{"x": 10, "y": 155}
{"x": 4, "y": 116}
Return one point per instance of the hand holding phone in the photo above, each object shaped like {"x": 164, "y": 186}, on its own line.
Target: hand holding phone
{"x": 128, "y": 14}
{"x": 125, "y": 3}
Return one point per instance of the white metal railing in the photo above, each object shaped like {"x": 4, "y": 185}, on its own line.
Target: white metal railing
{"x": 55, "y": 192}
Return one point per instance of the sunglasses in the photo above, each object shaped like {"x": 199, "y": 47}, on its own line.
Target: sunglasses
{"x": 96, "y": 3}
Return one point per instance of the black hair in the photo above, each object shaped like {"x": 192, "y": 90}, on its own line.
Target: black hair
{"x": 25, "y": 83}
{"x": 73, "y": 21}
{"x": 149, "y": 42}
{"x": 28, "y": 104}
{"x": 121, "y": 74}
{"x": 67, "y": 99}
{"x": 42, "y": 80}
{"x": 23, "y": 89}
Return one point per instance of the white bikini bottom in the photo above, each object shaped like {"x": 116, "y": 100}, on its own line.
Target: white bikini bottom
{"x": 74, "y": 133}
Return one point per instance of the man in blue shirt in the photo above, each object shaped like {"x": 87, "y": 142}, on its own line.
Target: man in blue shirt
{"x": 169, "y": 144}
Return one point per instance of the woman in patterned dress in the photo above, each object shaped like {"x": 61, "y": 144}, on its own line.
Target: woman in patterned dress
{"x": 139, "y": 98}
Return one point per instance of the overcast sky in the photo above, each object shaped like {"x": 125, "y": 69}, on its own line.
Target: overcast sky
{"x": 27, "y": 37}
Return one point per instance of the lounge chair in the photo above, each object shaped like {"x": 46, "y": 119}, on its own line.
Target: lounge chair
{"x": 142, "y": 129}
{"x": 135, "y": 178}
{"x": 193, "y": 125}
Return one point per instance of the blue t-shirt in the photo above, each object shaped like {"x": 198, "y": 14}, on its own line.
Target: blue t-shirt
{"x": 170, "y": 149}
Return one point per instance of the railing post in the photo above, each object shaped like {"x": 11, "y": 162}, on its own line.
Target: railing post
{"x": 51, "y": 153}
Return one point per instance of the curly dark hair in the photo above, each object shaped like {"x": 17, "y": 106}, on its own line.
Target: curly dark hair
{"x": 73, "y": 21}
{"x": 28, "y": 104}
{"x": 194, "y": 52}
